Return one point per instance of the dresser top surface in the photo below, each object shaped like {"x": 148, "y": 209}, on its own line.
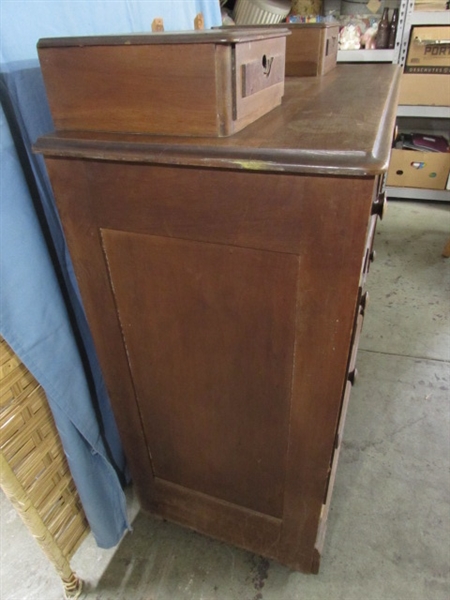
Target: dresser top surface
{"x": 340, "y": 124}
{"x": 225, "y": 35}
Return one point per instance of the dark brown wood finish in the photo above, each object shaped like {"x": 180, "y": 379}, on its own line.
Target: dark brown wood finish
{"x": 311, "y": 49}
{"x": 199, "y": 342}
{"x": 163, "y": 83}
{"x": 337, "y": 124}
{"x": 223, "y": 303}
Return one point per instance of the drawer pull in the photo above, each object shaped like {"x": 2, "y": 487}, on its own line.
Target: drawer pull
{"x": 267, "y": 65}
{"x": 379, "y": 207}
{"x": 337, "y": 441}
{"x": 364, "y": 302}
{"x": 353, "y": 376}
{"x": 261, "y": 73}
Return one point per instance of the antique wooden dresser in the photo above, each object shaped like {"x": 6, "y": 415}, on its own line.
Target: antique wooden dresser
{"x": 224, "y": 283}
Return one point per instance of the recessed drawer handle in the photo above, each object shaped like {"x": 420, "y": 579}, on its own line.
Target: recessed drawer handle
{"x": 364, "y": 302}
{"x": 267, "y": 65}
{"x": 353, "y": 376}
{"x": 379, "y": 207}
{"x": 261, "y": 73}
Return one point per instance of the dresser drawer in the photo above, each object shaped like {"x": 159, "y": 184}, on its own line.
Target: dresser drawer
{"x": 311, "y": 49}
{"x": 209, "y": 83}
{"x": 378, "y": 210}
{"x": 321, "y": 530}
{"x": 259, "y": 71}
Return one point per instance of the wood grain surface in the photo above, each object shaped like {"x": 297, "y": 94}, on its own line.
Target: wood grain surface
{"x": 340, "y": 123}
{"x": 222, "y": 280}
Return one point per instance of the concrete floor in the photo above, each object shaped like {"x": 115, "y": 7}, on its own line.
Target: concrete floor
{"x": 388, "y": 535}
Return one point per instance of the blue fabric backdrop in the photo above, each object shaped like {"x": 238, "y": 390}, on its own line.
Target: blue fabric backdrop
{"x": 34, "y": 317}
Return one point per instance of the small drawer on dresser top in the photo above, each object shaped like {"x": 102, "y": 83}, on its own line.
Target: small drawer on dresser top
{"x": 311, "y": 49}
{"x": 209, "y": 83}
{"x": 259, "y": 71}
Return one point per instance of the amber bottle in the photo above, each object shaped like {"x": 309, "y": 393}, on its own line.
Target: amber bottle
{"x": 393, "y": 29}
{"x": 382, "y": 38}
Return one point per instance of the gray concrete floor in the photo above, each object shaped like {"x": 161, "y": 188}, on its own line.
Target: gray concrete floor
{"x": 388, "y": 535}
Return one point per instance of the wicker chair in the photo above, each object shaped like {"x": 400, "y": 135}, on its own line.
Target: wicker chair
{"x": 34, "y": 473}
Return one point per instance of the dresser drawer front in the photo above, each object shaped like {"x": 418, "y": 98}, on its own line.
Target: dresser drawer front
{"x": 259, "y": 73}
{"x": 329, "y": 53}
{"x": 164, "y": 84}
{"x": 311, "y": 49}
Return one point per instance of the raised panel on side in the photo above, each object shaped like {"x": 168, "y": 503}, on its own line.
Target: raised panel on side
{"x": 225, "y": 521}
{"x": 319, "y": 225}
{"x": 209, "y": 331}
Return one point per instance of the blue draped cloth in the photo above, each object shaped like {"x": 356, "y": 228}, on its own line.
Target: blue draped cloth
{"x": 34, "y": 315}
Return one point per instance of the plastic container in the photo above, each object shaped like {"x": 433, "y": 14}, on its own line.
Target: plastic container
{"x": 307, "y": 8}
{"x": 358, "y": 7}
{"x": 260, "y": 12}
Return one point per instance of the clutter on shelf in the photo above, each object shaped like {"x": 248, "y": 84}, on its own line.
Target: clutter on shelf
{"x": 420, "y": 160}
{"x": 368, "y": 31}
{"x": 422, "y": 142}
{"x": 368, "y": 24}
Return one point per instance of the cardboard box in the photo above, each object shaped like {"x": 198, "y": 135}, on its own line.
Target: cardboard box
{"x": 410, "y": 168}
{"x": 429, "y": 50}
{"x": 425, "y": 90}
{"x": 206, "y": 83}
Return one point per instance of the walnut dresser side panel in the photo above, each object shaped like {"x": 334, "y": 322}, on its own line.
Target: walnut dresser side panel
{"x": 225, "y": 294}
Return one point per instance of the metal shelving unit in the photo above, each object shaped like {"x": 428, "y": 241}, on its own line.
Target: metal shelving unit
{"x": 408, "y": 18}
{"x": 391, "y": 56}
{"x": 418, "y": 194}
{"x": 412, "y": 18}
{"x": 416, "y": 17}
{"x": 358, "y": 56}
{"x": 428, "y": 17}
{"x": 423, "y": 112}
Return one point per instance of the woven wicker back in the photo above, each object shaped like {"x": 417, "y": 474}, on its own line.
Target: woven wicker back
{"x": 34, "y": 471}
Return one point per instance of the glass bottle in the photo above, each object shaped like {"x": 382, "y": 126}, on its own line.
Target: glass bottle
{"x": 382, "y": 38}
{"x": 393, "y": 29}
